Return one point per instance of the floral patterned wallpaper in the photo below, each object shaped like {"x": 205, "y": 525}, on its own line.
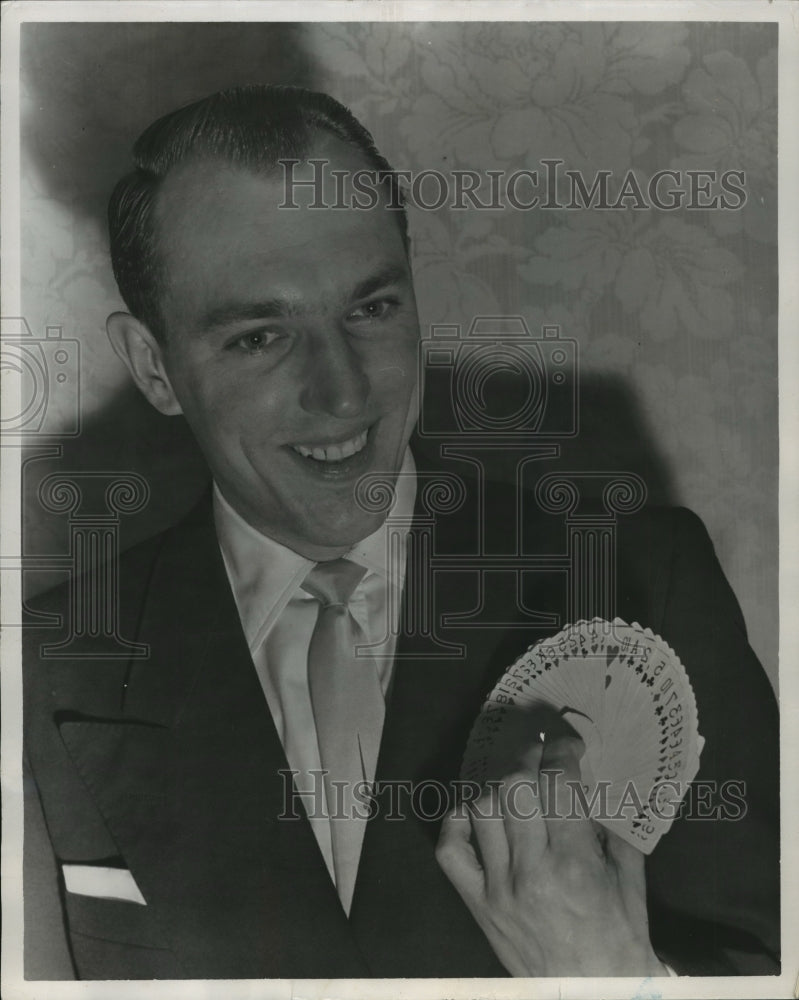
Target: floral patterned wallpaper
{"x": 674, "y": 311}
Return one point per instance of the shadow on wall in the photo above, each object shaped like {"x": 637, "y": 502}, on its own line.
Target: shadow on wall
{"x": 613, "y": 437}
{"x": 90, "y": 89}
{"x": 126, "y": 436}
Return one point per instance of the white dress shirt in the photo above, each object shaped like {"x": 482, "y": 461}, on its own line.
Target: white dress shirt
{"x": 278, "y": 619}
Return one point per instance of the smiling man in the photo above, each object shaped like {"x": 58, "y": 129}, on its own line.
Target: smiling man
{"x": 289, "y": 339}
{"x": 291, "y": 347}
{"x": 201, "y": 813}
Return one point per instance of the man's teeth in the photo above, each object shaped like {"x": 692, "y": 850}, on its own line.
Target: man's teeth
{"x": 333, "y": 452}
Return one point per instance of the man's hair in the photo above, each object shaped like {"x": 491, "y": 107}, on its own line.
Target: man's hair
{"x": 251, "y": 127}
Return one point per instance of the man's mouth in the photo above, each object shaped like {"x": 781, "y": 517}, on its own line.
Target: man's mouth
{"x": 333, "y": 452}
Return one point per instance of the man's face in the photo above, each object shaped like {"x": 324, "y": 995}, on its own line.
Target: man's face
{"x": 291, "y": 346}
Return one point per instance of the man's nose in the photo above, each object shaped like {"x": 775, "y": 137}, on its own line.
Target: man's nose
{"x": 335, "y": 381}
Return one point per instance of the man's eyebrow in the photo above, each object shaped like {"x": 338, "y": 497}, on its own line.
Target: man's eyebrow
{"x": 387, "y": 276}
{"x": 235, "y": 312}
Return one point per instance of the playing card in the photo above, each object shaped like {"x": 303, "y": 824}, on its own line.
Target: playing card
{"x": 624, "y": 691}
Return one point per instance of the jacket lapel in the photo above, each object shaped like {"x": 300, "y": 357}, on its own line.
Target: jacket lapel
{"x": 188, "y": 780}
{"x": 407, "y": 917}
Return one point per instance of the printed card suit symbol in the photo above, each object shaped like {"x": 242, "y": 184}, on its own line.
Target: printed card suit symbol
{"x": 612, "y": 653}
{"x": 639, "y": 669}
{"x": 608, "y": 679}
{"x": 650, "y": 681}
{"x": 594, "y": 647}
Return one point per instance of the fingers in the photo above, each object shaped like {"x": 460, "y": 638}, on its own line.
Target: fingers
{"x": 489, "y": 833}
{"x": 508, "y": 829}
{"x": 628, "y": 864}
{"x": 502, "y": 830}
{"x": 458, "y": 860}
{"x": 567, "y": 828}
{"x": 521, "y": 807}
{"x": 627, "y": 860}
{"x": 460, "y": 864}
{"x": 563, "y": 754}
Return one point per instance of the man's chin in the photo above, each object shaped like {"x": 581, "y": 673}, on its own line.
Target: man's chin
{"x": 335, "y": 542}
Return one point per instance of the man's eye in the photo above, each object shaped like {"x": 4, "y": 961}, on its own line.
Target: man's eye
{"x": 378, "y": 309}
{"x": 253, "y": 342}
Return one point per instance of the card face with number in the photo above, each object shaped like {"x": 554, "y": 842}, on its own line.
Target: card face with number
{"x": 624, "y": 691}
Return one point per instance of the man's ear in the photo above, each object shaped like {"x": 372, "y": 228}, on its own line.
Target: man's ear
{"x": 143, "y": 357}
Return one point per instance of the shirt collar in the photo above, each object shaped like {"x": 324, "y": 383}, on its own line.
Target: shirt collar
{"x": 264, "y": 574}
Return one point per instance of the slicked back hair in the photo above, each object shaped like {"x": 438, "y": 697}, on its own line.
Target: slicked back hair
{"x": 250, "y": 127}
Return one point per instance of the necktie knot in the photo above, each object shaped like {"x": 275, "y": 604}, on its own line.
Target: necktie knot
{"x": 333, "y": 583}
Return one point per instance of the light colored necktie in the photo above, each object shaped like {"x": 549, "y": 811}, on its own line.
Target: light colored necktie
{"x": 348, "y": 708}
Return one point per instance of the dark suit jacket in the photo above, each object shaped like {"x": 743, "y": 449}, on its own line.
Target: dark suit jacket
{"x": 169, "y": 766}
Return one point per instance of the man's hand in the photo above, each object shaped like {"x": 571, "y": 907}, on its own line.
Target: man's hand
{"x": 551, "y": 897}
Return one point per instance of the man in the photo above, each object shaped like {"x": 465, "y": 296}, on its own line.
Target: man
{"x": 197, "y": 811}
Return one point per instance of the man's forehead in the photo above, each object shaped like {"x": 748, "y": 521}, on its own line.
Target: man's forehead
{"x": 223, "y": 209}
{"x": 198, "y": 192}
{"x": 225, "y": 231}
{"x": 323, "y": 175}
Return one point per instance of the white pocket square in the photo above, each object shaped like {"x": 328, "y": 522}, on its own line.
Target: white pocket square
{"x": 106, "y": 883}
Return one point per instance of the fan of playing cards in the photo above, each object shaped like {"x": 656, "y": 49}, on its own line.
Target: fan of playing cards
{"x": 626, "y": 694}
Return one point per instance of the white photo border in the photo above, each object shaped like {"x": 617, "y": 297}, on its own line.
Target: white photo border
{"x": 783, "y": 12}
